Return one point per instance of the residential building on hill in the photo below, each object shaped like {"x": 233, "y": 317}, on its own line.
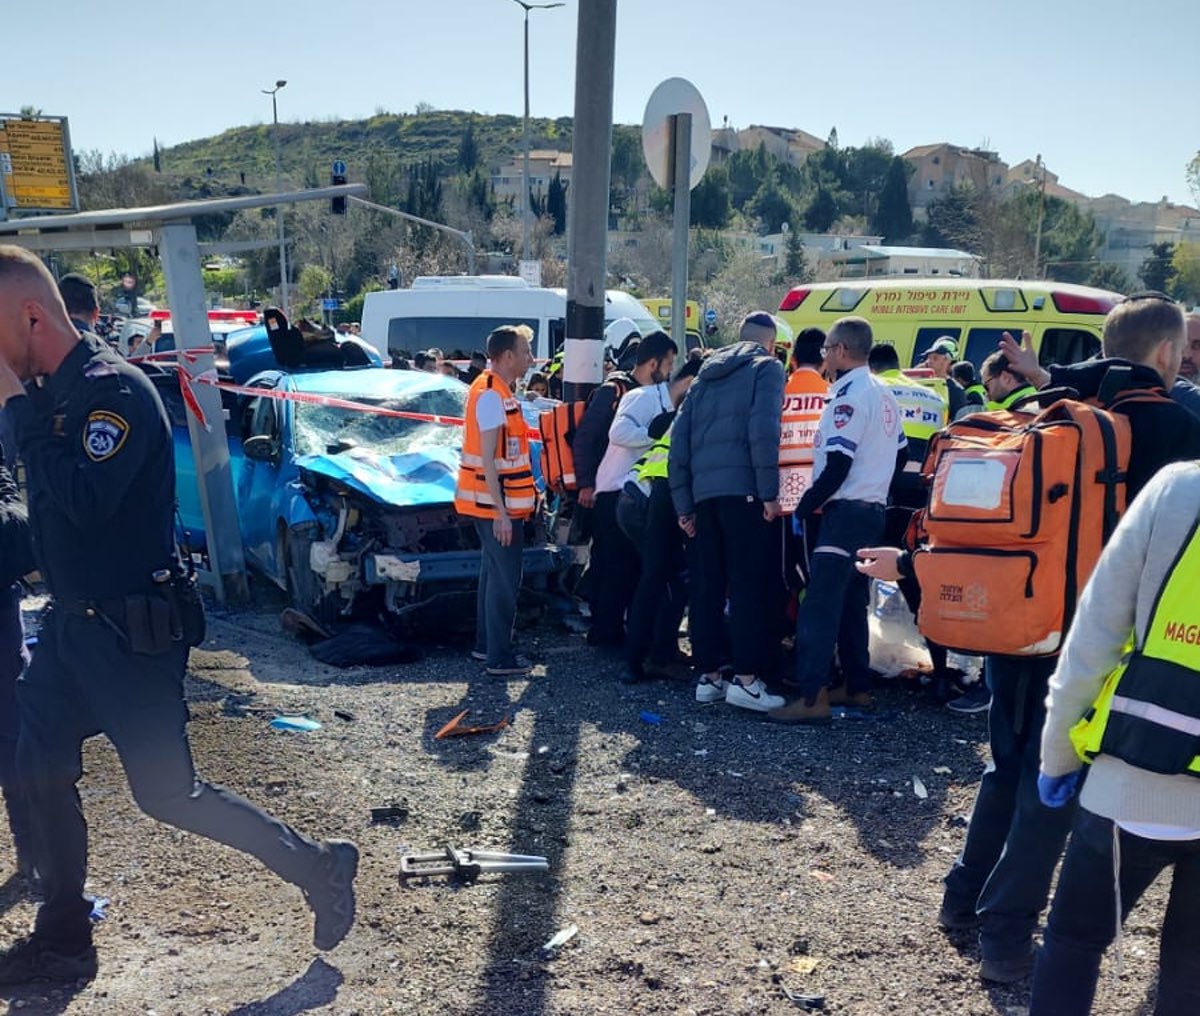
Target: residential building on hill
{"x": 941, "y": 167}
{"x": 1030, "y": 173}
{"x": 1130, "y": 228}
{"x": 787, "y": 144}
{"x": 543, "y": 165}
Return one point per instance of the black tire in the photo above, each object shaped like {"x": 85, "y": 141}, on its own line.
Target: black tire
{"x": 305, "y": 589}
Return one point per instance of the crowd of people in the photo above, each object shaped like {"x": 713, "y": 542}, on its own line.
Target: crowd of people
{"x": 684, "y": 475}
{"x": 754, "y": 491}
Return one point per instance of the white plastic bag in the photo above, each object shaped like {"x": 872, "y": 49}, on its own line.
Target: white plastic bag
{"x": 895, "y": 643}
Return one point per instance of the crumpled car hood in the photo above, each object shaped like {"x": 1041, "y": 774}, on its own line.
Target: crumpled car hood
{"x": 403, "y": 481}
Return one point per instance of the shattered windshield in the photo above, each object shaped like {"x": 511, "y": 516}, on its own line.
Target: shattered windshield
{"x": 323, "y": 430}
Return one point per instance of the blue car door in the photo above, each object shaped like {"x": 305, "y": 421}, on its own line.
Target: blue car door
{"x": 258, "y": 483}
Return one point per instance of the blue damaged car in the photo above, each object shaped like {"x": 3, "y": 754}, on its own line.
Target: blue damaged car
{"x": 340, "y": 499}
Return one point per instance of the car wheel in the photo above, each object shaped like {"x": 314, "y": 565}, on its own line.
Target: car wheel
{"x": 304, "y": 588}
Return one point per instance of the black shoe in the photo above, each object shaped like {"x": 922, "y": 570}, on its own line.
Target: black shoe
{"x": 1007, "y": 971}
{"x": 948, "y": 685}
{"x": 976, "y": 699}
{"x": 630, "y": 676}
{"x": 666, "y": 671}
{"x": 957, "y": 920}
{"x": 332, "y": 897}
{"x": 33, "y": 959}
{"x": 606, "y": 640}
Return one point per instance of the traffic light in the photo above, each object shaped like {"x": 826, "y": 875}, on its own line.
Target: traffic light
{"x": 337, "y": 205}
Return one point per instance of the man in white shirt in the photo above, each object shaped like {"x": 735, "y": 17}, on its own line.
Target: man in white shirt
{"x": 629, "y": 437}
{"x": 859, "y": 448}
{"x": 613, "y": 567}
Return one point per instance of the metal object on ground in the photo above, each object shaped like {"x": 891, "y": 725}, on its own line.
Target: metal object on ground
{"x": 809, "y": 1003}
{"x": 467, "y": 865}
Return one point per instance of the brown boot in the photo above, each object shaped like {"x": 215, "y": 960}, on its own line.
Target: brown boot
{"x": 803, "y": 711}
{"x": 859, "y": 700}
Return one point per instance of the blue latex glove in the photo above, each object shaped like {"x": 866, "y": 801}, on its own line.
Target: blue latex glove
{"x": 1056, "y": 791}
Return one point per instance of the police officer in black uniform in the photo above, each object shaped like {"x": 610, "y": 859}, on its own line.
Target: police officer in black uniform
{"x": 16, "y": 560}
{"x": 113, "y": 650}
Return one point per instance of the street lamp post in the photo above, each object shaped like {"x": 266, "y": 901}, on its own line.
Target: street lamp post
{"x": 525, "y": 186}
{"x": 283, "y": 270}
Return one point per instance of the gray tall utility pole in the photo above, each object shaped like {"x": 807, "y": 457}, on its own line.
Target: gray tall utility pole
{"x": 283, "y": 270}
{"x": 681, "y": 187}
{"x": 526, "y": 211}
{"x": 595, "y": 55}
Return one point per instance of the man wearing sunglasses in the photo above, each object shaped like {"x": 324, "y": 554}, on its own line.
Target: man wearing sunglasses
{"x": 1006, "y": 387}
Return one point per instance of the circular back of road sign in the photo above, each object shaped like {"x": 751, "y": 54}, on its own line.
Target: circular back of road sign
{"x": 675, "y": 95}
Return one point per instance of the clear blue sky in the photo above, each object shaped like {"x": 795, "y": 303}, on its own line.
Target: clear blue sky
{"x": 1103, "y": 89}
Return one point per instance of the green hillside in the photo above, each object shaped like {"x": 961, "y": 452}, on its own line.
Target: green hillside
{"x": 308, "y": 149}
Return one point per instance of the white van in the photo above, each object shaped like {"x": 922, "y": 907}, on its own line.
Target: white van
{"x": 458, "y": 312}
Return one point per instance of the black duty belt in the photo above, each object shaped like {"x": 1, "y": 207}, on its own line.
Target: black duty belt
{"x": 112, "y": 609}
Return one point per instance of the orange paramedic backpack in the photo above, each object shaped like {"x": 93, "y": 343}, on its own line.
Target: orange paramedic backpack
{"x": 558, "y": 426}
{"x": 1019, "y": 510}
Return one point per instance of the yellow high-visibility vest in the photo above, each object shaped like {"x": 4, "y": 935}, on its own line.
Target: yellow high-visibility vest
{"x": 923, "y": 411}
{"x": 653, "y": 465}
{"x": 1012, "y": 397}
{"x": 1148, "y": 711}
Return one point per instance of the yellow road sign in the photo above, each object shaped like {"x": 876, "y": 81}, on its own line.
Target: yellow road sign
{"x": 36, "y": 171}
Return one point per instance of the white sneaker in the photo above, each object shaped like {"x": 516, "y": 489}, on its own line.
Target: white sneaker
{"x": 754, "y": 696}
{"x": 708, "y": 691}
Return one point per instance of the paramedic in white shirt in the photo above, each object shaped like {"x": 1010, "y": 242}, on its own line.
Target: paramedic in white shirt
{"x": 860, "y": 446}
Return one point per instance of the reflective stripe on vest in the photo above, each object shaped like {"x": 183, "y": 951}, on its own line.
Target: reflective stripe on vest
{"x": 653, "y": 465}
{"x": 938, "y": 385}
{"x": 922, "y": 411}
{"x": 804, "y": 400}
{"x": 1148, "y": 712}
{"x": 513, "y": 466}
{"x": 1012, "y": 397}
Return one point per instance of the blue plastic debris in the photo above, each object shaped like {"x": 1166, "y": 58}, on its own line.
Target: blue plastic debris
{"x": 99, "y": 908}
{"x": 303, "y": 724}
{"x": 649, "y": 717}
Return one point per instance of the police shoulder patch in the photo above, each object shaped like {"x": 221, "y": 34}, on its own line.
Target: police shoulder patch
{"x": 98, "y": 369}
{"x": 103, "y": 435}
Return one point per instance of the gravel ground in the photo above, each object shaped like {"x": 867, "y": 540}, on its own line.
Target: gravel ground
{"x": 709, "y": 860}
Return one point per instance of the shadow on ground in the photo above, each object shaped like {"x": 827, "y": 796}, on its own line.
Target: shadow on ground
{"x": 316, "y": 987}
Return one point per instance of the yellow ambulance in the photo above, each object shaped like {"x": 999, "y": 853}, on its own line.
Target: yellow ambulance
{"x": 693, "y": 322}
{"x": 911, "y": 314}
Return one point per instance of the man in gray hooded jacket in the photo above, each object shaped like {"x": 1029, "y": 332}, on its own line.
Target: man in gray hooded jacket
{"x": 724, "y": 476}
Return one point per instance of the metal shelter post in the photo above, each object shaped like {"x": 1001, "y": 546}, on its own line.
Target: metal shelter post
{"x": 180, "y": 254}
{"x": 171, "y": 227}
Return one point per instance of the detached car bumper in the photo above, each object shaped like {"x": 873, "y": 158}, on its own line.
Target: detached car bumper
{"x": 451, "y": 566}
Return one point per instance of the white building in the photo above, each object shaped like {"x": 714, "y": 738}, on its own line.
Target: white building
{"x": 544, "y": 165}
{"x": 871, "y": 260}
